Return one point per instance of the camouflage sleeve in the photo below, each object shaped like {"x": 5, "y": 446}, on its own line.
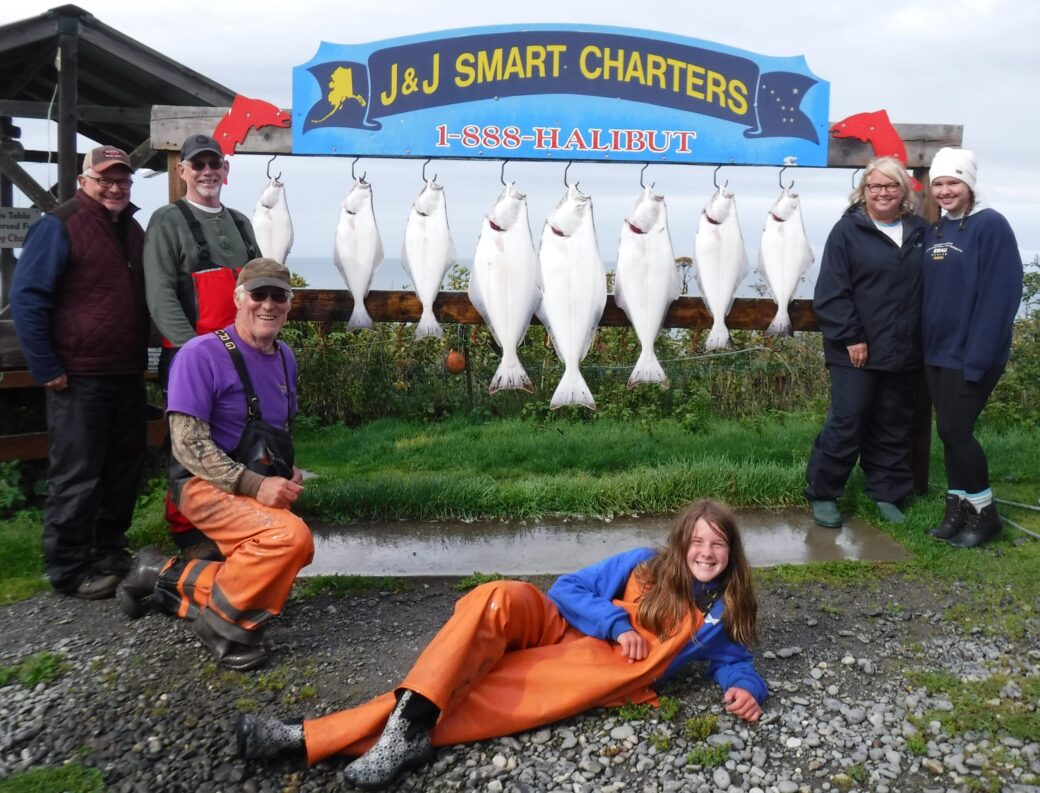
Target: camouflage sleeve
{"x": 193, "y": 446}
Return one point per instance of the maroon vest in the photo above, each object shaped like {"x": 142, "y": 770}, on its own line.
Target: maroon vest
{"x": 100, "y": 320}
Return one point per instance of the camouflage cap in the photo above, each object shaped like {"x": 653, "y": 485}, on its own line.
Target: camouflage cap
{"x": 264, "y": 272}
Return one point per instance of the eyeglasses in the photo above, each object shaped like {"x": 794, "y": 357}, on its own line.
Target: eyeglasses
{"x": 273, "y": 294}
{"x": 107, "y": 184}
{"x": 891, "y": 187}
{"x": 197, "y": 165}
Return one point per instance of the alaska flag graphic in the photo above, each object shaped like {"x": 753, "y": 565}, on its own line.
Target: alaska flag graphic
{"x": 778, "y": 103}
{"x": 345, "y": 93}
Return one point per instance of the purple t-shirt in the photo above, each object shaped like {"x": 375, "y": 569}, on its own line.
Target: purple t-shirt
{"x": 205, "y": 384}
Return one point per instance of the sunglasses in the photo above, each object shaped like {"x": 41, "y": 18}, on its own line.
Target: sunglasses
{"x": 197, "y": 165}
{"x": 274, "y": 294}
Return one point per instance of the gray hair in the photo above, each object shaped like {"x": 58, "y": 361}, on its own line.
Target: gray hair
{"x": 894, "y": 170}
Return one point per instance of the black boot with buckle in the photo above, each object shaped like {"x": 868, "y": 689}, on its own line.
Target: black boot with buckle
{"x": 136, "y": 589}
{"x": 228, "y": 653}
{"x": 953, "y": 520}
{"x": 979, "y": 527}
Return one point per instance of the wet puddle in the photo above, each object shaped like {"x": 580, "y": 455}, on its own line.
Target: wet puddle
{"x": 556, "y": 546}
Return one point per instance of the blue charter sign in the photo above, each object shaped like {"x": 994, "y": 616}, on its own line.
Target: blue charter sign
{"x": 560, "y": 92}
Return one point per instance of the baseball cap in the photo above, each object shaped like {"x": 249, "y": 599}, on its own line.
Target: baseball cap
{"x": 196, "y": 144}
{"x": 264, "y": 272}
{"x": 104, "y": 157}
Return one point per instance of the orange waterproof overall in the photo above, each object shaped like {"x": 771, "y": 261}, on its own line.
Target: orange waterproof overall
{"x": 505, "y": 662}
{"x": 264, "y": 547}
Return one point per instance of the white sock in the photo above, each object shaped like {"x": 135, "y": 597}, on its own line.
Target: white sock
{"x": 980, "y": 500}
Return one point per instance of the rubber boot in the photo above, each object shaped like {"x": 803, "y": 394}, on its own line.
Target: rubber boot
{"x": 262, "y": 737}
{"x": 979, "y": 527}
{"x": 826, "y": 514}
{"x": 953, "y": 520}
{"x": 227, "y": 653}
{"x": 134, "y": 590}
{"x": 890, "y": 512}
{"x": 405, "y": 743}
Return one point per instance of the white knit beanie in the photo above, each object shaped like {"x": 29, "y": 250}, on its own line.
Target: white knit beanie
{"x": 958, "y": 163}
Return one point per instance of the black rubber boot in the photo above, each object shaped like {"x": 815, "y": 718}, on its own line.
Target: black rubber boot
{"x": 953, "y": 520}
{"x": 227, "y": 653}
{"x": 979, "y": 527}
{"x": 405, "y": 743}
{"x": 135, "y": 590}
{"x": 262, "y": 737}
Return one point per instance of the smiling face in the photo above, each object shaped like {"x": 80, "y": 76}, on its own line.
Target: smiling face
{"x": 884, "y": 197}
{"x": 708, "y": 554}
{"x": 111, "y": 188}
{"x": 204, "y": 185}
{"x": 259, "y": 320}
{"x": 951, "y": 194}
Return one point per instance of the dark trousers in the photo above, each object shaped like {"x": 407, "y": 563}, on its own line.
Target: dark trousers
{"x": 870, "y": 418}
{"x": 97, "y": 439}
{"x": 958, "y": 404}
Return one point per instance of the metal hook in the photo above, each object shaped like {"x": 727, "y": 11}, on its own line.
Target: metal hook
{"x": 565, "y": 176}
{"x": 780, "y": 179}
{"x": 277, "y": 178}
{"x": 502, "y": 174}
{"x": 353, "y": 175}
{"x": 854, "y": 172}
{"x": 641, "y": 170}
{"x": 715, "y": 178}
{"x": 424, "y": 171}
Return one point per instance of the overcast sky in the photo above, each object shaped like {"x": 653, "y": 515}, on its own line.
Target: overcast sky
{"x": 969, "y": 62}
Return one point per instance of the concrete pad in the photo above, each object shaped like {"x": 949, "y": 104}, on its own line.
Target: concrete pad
{"x": 555, "y": 546}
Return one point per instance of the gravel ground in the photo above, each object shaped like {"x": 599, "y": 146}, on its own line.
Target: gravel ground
{"x": 142, "y": 703}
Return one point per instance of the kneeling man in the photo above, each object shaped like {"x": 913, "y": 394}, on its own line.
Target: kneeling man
{"x": 232, "y": 394}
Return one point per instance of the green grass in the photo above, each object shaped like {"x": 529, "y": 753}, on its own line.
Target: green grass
{"x": 67, "y": 779}
{"x": 700, "y": 727}
{"x": 979, "y": 707}
{"x": 515, "y": 469}
{"x": 342, "y": 585}
{"x": 475, "y": 580}
{"x": 708, "y": 756}
{"x": 41, "y": 667}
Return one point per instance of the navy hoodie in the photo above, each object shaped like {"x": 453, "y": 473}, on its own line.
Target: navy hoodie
{"x": 972, "y": 290}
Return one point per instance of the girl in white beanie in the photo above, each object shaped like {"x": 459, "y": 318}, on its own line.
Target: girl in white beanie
{"x": 972, "y": 289}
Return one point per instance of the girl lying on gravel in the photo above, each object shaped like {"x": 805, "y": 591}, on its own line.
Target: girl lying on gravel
{"x": 511, "y": 658}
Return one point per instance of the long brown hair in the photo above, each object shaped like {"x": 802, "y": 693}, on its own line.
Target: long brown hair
{"x": 668, "y": 583}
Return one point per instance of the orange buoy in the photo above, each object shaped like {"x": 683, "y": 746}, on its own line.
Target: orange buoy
{"x": 455, "y": 362}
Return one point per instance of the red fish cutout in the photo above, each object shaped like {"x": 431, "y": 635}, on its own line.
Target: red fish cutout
{"x": 875, "y": 129}
{"x": 243, "y": 115}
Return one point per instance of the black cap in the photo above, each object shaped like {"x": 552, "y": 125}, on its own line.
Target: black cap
{"x": 196, "y": 144}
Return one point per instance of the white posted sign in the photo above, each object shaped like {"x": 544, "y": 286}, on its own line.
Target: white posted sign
{"x": 14, "y": 223}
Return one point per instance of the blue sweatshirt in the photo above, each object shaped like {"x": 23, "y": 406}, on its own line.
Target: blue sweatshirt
{"x": 972, "y": 289}
{"x": 584, "y": 599}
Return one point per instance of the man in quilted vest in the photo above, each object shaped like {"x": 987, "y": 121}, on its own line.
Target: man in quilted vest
{"x": 79, "y": 311}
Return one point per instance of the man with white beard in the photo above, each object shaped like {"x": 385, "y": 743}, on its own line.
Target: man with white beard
{"x": 193, "y": 251}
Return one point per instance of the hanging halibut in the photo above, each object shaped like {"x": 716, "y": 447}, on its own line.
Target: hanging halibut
{"x": 428, "y": 253}
{"x": 272, "y": 224}
{"x": 783, "y": 257}
{"x": 721, "y": 262}
{"x": 503, "y": 286}
{"x": 647, "y": 281}
{"x": 359, "y": 249}
{"x": 574, "y": 291}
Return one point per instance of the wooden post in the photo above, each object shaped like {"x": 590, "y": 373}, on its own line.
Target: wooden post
{"x": 6, "y": 254}
{"x": 68, "y": 98}
{"x": 921, "y": 430}
{"x": 177, "y": 188}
